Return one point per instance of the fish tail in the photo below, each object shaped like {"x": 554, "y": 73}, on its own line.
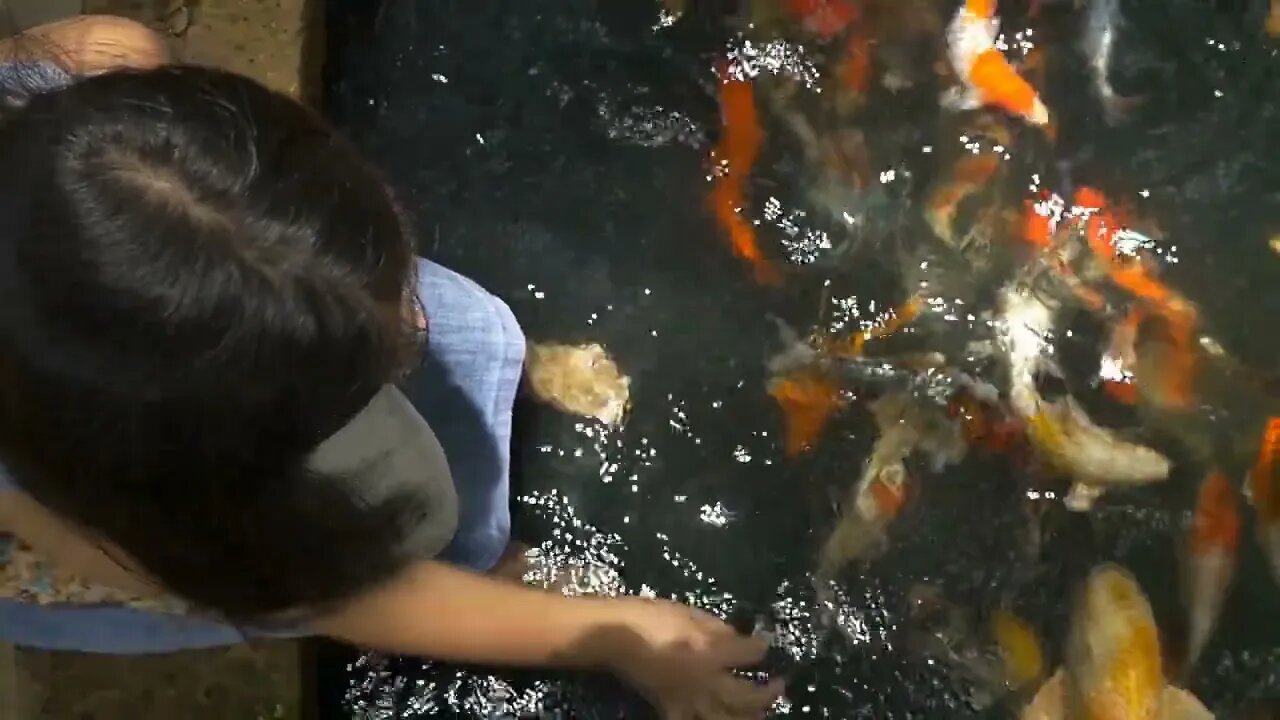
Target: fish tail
{"x": 808, "y": 402}
{"x": 1266, "y": 502}
{"x": 1215, "y": 526}
{"x": 1000, "y": 85}
{"x": 1116, "y": 109}
{"x": 1210, "y": 564}
{"x": 968, "y": 175}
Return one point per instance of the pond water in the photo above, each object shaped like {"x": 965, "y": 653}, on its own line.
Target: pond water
{"x": 557, "y": 152}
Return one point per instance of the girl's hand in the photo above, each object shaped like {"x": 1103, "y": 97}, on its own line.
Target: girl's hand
{"x": 682, "y": 660}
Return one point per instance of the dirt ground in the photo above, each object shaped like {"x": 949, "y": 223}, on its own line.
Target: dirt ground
{"x": 279, "y": 43}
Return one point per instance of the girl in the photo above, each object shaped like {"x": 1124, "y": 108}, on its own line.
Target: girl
{"x": 232, "y": 401}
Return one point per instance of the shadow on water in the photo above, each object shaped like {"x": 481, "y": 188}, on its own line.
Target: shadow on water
{"x": 555, "y": 151}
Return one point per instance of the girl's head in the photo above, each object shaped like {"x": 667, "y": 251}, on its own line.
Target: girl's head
{"x": 200, "y": 282}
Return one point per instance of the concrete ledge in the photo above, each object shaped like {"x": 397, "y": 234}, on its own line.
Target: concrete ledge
{"x": 277, "y": 42}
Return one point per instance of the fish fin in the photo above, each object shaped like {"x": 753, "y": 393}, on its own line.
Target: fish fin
{"x": 960, "y": 98}
{"x": 1117, "y": 108}
{"x": 1178, "y": 704}
{"x": 1082, "y": 496}
{"x": 797, "y": 351}
{"x": 1049, "y": 702}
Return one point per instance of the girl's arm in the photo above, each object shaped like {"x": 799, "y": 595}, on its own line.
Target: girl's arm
{"x": 443, "y": 612}
{"x": 88, "y": 45}
{"x": 679, "y": 657}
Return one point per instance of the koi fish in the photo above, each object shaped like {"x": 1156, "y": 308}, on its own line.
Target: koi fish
{"x": 904, "y": 426}
{"x": 808, "y": 401}
{"x": 824, "y": 18}
{"x": 970, "y": 173}
{"x": 1210, "y": 560}
{"x": 1174, "y": 376}
{"x": 1120, "y": 357}
{"x": 1264, "y": 495}
{"x": 1060, "y": 431}
{"x": 1272, "y": 26}
{"x": 736, "y": 154}
{"x": 1020, "y": 649}
{"x": 986, "y": 426}
{"x": 807, "y": 394}
{"x": 1113, "y": 668}
{"x": 855, "y": 68}
{"x": 985, "y": 74}
{"x": 1000, "y": 656}
{"x": 1102, "y": 23}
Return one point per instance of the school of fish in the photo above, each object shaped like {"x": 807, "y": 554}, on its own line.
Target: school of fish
{"x": 1023, "y": 262}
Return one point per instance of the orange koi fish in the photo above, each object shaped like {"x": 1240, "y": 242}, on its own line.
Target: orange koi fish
{"x": 825, "y": 18}
{"x": 1210, "y": 560}
{"x": 985, "y": 428}
{"x": 807, "y": 401}
{"x": 1037, "y": 227}
{"x": 855, "y": 68}
{"x": 736, "y": 153}
{"x": 1177, "y": 372}
{"x": 891, "y": 323}
{"x": 1264, "y": 495}
{"x": 987, "y": 77}
{"x": 970, "y": 173}
{"x": 1120, "y": 358}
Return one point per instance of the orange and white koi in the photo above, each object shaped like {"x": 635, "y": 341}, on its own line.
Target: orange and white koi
{"x": 1060, "y": 431}
{"x": 879, "y": 495}
{"x": 1265, "y": 496}
{"x": 1113, "y": 668}
{"x": 987, "y": 77}
{"x": 1210, "y": 560}
{"x": 734, "y": 156}
{"x": 1176, "y": 374}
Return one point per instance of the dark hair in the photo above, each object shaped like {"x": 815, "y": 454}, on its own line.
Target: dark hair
{"x": 199, "y": 282}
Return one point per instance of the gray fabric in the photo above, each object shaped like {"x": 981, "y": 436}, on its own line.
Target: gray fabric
{"x": 22, "y": 79}
{"x": 387, "y": 447}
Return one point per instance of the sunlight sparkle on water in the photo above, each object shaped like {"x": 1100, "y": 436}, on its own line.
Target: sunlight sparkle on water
{"x": 776, "y": 57}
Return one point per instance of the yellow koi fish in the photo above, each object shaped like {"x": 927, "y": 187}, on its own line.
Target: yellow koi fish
{"x": 1113, "y": 668}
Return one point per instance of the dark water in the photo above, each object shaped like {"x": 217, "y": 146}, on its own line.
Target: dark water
{"x": 555, "y": 151}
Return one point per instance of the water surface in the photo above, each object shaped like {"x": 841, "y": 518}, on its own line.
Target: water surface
{"x": 556, "y": 151}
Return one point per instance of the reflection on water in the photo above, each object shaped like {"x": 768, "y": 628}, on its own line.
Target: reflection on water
{"x": 781, "y": 220}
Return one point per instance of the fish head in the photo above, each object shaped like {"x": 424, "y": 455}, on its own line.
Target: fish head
{"x": 1020, "y": 651}
{"x": 1113, "y": 664}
